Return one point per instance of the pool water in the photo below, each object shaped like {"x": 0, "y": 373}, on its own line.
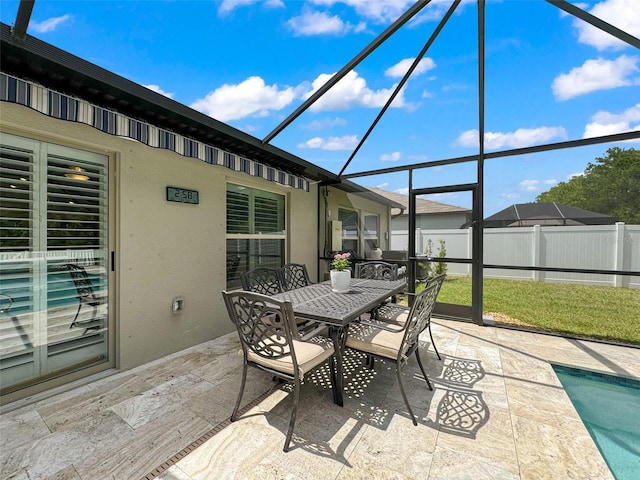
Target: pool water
{"x": 609, "y": 407}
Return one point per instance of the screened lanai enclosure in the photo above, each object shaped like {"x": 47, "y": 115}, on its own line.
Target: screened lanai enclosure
{"x": 605, "y": 256}
{"x": 122, "y": 207}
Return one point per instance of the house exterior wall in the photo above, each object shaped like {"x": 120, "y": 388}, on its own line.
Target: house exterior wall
{"x": 329, "y": 211}
{"x": 426, "y": 221}
{"x": 165, "y": 249}
{"x": 439, "y": 221}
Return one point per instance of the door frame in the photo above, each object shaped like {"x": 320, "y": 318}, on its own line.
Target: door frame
{"x": 471, "y": 313}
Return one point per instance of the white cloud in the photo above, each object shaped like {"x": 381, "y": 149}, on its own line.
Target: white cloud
{"x": 382, "y": 185}
{"x": 320, "y": 23}
{"x": 606, "y": 123}
{"x": 573, "y": 175}
{"x": 325, "y": 123}
{"x": 346, "y": 142}
{"x": 157, "y": 89}
{"x": 402, "y": 191}
{"x": 535, "y": 185}
{"x": 510, "y": 196}
{"x": 50, "y": 24}
{"x": 522, "y": 137}
{"x": 380, "y": 11}
{"x": 623, "y": 14}
{"x": 391, "y": 157}
{"x": 593, "y": 75}
{"x": 352, "y": 91}
{"x": 530, "y": 185}
{"x": 399, "y": 69}
{"x": 227, "y": 6}
{"x": 252, "y": 97}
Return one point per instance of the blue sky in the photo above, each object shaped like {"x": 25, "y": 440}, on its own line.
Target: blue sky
{"x": 251, "y": 63}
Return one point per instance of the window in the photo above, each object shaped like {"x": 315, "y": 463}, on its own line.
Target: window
{"x": 371, "y": 233}
{"x": 349, "y": 219}
{"x": 53, "y": 213}
{"x": 256, "y": 231}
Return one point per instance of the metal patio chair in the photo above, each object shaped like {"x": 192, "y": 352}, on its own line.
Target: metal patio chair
{"x": 233, "y": 262}
{"x": 394, "y": 342}
{"x": 270, "y": 342}
{"x": 264, "y": 280}
{"x": 86, "y": 295}
{"x": 398, "y": 314}
{"x": 377, "y": 270}
{"x": 295, "y": 275}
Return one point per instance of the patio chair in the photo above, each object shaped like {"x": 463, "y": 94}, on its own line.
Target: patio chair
{"x": 396, "y": 343}
{"x": 377, "y": 270}
{"x": 295, "y": 275}
{"x": 264, "y": 280}
{"x": 233, "y": 262}
{"x": 86, "y": 295}
{"x": 270, "y": 342}
{"x": 397, "y": 314}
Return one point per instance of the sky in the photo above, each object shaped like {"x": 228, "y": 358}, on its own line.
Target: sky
{"x": 549, "y": 77}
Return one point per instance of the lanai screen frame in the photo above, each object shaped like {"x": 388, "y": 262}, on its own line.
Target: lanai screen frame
{"x": 477, "y": 261}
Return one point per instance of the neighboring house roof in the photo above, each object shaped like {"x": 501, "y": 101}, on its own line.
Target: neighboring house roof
{"x": 40, "y": 62}
{"x": 545, "y": 214}
{"x": 423, "y": 206}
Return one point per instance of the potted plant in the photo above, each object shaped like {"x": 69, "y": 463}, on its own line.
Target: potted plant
{"x": 341, "y": 273}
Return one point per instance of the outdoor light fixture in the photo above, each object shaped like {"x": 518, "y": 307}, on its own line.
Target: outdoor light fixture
{"x": 77, "y": 176}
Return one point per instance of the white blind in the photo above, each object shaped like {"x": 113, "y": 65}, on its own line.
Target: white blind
{"x": 256, "y": 230}
{"x": 254, "y": 212}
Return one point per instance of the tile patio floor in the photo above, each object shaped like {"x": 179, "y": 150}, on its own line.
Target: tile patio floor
{"x": 497, "y": 412}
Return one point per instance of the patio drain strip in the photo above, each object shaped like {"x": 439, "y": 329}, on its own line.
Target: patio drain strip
{"x": 196, "y": 443}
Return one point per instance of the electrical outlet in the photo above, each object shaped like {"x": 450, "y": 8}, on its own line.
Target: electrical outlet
{"x": 177, "y": 305}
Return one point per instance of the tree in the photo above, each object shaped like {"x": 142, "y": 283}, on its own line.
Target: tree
{"x": 610, "y": 186}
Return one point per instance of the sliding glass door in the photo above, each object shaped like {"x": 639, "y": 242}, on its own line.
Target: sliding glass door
{"x": 53, "y": 261}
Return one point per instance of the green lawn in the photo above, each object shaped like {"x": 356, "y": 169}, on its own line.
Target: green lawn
{"x": 606, "y": 313}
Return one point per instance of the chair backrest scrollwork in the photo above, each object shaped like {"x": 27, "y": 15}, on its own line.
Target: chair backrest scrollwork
{"x": 295, "y": 275}
{"x": 266, "y": 326}
{"x": 377, "y": 270}
{"x": 264, "y": 280}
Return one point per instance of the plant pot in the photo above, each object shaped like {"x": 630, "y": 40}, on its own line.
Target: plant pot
{"x": 340, "y": 281}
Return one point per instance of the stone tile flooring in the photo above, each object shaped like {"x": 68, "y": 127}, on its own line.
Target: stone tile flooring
{"x": 497, "y": 411}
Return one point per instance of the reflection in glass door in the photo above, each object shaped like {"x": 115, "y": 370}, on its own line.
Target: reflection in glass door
{"x": 53, "y": 259}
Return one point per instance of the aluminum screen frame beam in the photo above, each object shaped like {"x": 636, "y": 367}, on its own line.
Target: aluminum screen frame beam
{"x": 379, "y": 40}
{"x": 596, "y": 22}
{"x": 406, "y": 76}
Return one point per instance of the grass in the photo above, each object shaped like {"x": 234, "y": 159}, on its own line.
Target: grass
{"x": 605, "y": 313}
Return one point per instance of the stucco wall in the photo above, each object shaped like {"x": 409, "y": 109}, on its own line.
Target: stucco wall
{"x": 165, "y": 249}
{"x": 431, "y": 221}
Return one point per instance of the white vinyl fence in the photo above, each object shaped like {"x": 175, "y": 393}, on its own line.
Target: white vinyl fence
{"x": 596, "y": 247}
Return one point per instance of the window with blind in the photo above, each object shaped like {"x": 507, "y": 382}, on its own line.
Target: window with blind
{"x": 53, "y": 226}
{"x": 256, "y": 230}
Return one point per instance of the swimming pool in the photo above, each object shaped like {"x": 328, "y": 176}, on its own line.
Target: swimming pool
{"x": 609, "y": 407}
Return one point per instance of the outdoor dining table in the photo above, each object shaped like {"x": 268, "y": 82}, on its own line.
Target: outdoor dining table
{"x": 337, "y": 310}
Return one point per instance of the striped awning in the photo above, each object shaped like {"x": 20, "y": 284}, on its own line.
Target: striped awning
{"x": 64, "y": 107}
